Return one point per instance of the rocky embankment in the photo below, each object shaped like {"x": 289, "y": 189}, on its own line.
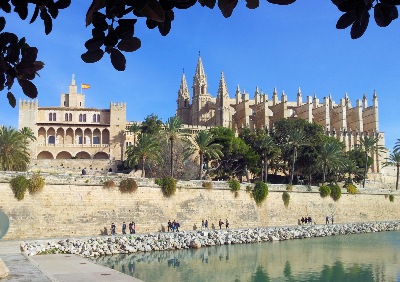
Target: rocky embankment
{"x": 109, "y": 245}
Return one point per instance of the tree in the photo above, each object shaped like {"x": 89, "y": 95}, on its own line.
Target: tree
{"x": 135, "y": 128}
{"x": 172, "y": 131}
{"x": 13, "y": 150}
{"x": 146, "y": 148}
{"x": 330, "y": 156}
{"x": 370, "y": 145}
{"x": 152, "y": 125}
{"x": 114, "y": 22}
{"x": 394, "y": 160}
{"x": 297, "y": 139}
{"x": 203, "y": 145}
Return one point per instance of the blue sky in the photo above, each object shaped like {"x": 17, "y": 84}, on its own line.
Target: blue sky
{"x": 272, "y": 46}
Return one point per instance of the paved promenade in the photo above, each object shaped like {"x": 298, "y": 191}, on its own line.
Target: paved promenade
{"x": 61, "y": 267}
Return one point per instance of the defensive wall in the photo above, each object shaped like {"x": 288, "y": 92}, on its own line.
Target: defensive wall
{"x": 74, "y": 205}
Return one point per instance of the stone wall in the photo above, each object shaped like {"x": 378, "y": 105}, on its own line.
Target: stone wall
{"x": 85, "y": 208}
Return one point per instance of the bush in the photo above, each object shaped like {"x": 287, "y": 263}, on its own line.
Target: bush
{"x": 289, "y": 187}
{"x": 309, "y": 189}
{"x": 19, "y": 185}
{"x": 168, "y": 186}
{"x": 128, "y": 185}
{"x": 324, "y": 191}
{"x": 158, "y": 181}
{"x": 249, "y": 188}
{"x": 286, "y": 198}
{"x": 336, "y": 192}
{"x": 108, "y": 183}
{"x": 35, "y": 184}
{"x": 391, "y": 198}
{"x": 351, "y": 188}
{"x": 234, "y": 185}
{"x": 207, "y": 185}
{"x": 260, "y": 192}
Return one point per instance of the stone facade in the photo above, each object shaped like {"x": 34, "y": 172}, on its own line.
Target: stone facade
{"x": 82, "y": 207}
{"x": 73, "y": 131}
{"x": 341, "y": 120}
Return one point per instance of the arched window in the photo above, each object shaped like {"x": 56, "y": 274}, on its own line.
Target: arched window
{"x": 70, "y": 117}
{"x": 98, "y": 117}
{"x": 84, "y": 118}
{"x": 50, "y": 117}
{"x": 80, "y": 117}
{"x": 52, "y": 140}
{"x": 96, "y": 140}
{"x": 94, "y": 118}
{"x": 54, "y": 117}
{"x": 66, "y": 117}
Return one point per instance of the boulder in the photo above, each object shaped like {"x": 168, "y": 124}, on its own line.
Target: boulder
{"x": 195, "y": 244}
{"x": 3, "y": 270}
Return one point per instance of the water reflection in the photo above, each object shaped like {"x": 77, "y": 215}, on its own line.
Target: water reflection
{"x": 364, "y": 257}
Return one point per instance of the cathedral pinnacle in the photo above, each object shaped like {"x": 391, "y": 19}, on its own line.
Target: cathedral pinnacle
{"x": 374, "y": 96}
{"x": 200, "y": 74}
{"x": 275, "y": 93}
{"x": 223, "y": 89}
{"x": 299, "y": 92}
{"x": 73, "y": 79}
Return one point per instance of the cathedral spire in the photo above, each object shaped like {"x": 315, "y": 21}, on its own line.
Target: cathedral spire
{"x": 200, "y": 70}
{"x": 73, "y": 79}
{"x": 223, "y": 89}
{"x": 184, "y": 89}
{"x": 199, "y": 80}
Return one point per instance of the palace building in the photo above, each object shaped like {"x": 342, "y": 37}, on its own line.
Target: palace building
{"x": 342, "y": 120}
{"x": 72, "y": 131}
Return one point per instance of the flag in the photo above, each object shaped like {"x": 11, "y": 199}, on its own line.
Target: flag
{"x": 85, "y": 86}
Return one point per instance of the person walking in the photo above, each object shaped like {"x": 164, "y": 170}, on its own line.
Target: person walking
{"x": 226, "y": 224}
{"x": 332, "y": 219}
{"x": 113, "y": 229}
{"x": 220, "y": 223}
{"x": 124, "y": 228}
{"x": 327, "y": 219}
{"x": 206, "y": 224}
{"x": 202, "y": 224}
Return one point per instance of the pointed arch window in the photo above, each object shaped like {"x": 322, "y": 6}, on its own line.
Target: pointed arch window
{"x": 84, "y": 117}
{"x": 94, "y": 118}
{"x": 54, "y": 117}
{"x": 70, "y": 117}
{"x": 80, "y": 118}
{"x": 98, "y": 117}
{"x": 50, "y": 117}
{"x": 66, "y": 117}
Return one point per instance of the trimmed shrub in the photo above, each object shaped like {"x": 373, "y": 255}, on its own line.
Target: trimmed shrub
{"x": 260, "y": 192}
{"x": 286, "y": 198}
{"x": 234, "y": 185}
{"x": 207, "y": 185}
{"x": 19, "y": 185}
{"x": 324, "y": 191}
{"x": 391, "y": 198}
{"x": 168, "y": 186}
{"x": 336, "y": 192}
{"x": 108, "y": 183}
{"x": 289, "y": 187}
{"x": 158, "y": 181}
{"x": 351, "y": 188}
{"x": 35, "y": 184}
{"x": 128, "y": 185}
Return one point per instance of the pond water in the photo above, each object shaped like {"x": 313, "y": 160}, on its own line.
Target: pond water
{"x": 361, "y": 257}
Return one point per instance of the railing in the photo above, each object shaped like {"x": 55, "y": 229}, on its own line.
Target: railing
{"x": 75, "y": 145}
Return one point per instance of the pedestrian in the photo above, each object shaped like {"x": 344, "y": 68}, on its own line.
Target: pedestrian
{"x": 327, "y": 219}
{"x": 202, "y": 224}
{"x": 220, "y": 223}
{"x": 124, "y": 228}
{"x": 227, "y": 224}
{"x": 134, "y": 227}
{"x": 113, "y": 229}
{"x": 332, "y": 219}
{"x": 206, "y": 224}
{"x": 169, "y": 225}
{"x": 130, "y": 228}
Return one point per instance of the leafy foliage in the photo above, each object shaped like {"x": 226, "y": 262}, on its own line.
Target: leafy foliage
{"x": 351, "y": 189}
{"x": 152, "y": 125}
{"x": 234, "y": 185}
{"x": 13, "y": 150}
{"x": 168, "y": 186}
{"x": 394, "y": 160}
{"x": 336, "y": 192}
{"x": 391, "y": 198}
{"x": 324, "y": 191}
{"x": 19, "y": 185}
{"x": 286, "y": 198}
{"x": 260, "y": 192}
{"x": 109, "y": 184}
{"x": 172, "y": 132}
{"x": 128, "y": 185}
{"x": 158, "y": 181}
{"x": 289, "y": 187}
{"x": 35, "y": 184}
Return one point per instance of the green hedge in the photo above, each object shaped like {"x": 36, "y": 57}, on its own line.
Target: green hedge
{"x": 19, "y": 185}
{"x": 324, "y": 191}
{"x": 168, "y": 186}
{"x": 260, "y": 192}
{"x": 128, "y": 185}
{"x": 336, "y": 192}
{"x": 234, "y": 185}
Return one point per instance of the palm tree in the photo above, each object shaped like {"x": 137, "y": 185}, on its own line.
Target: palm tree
{"x": 265, "y": 143}
{"x": 13, "y": 150}
{"x": 172, "y": 131}
{"x": 394, "y": 160}
{"x": 330, "y": 156}
{"x": 135, "y": 129}
{"x": 296, "y": 139}
{"x": 147, "y": 147}
{"x": 203, "y": 146}
{"x": 370, "y": 145}
{"x": 27, "y": 133}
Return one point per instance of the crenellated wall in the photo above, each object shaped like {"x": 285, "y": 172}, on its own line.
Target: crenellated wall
{"x": 84, "y": 208}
